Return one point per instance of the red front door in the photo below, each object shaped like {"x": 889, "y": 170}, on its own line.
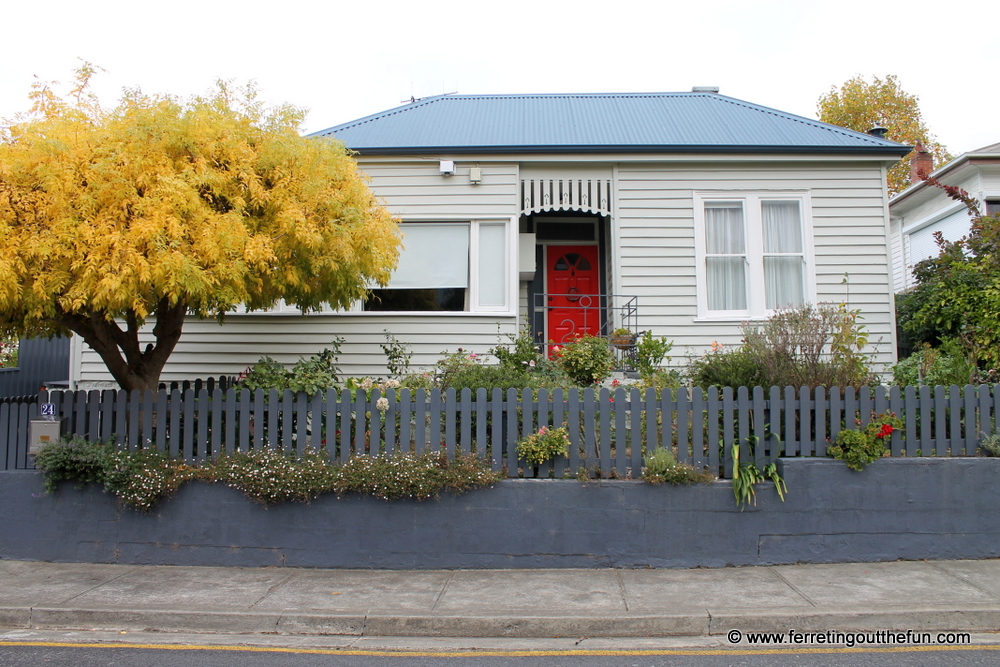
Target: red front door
{"x": 572, "y": 282}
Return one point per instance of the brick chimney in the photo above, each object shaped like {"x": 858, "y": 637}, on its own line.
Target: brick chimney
{"x": 921, "y": 163}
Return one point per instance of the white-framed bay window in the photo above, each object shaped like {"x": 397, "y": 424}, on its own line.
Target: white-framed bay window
{"x": 457, "y": 266}
{"x": 754, "y": 253}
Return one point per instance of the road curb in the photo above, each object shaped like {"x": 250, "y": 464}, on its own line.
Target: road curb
{"x": 982, "y": 619}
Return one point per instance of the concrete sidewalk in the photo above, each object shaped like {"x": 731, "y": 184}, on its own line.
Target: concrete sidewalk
{"x": 938, "y": 595}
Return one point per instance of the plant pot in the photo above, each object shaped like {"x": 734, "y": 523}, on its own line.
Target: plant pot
{"x": 622, "y": 341}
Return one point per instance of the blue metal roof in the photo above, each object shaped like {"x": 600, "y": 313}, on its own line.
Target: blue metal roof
{"x": 597, "y": 123}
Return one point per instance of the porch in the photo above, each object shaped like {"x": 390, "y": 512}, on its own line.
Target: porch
{"x": 558, "y": 319}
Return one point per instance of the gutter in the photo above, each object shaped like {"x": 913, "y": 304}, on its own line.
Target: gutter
{"x": 889, "y": 152}
{"x": 961, "y": 161}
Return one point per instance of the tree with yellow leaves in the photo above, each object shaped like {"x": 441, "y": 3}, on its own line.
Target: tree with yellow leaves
{"x": 161, "y": 209}
{"x": 859, "y": 105}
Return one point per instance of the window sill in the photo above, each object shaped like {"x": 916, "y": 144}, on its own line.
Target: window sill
{"x": 376, "y": 313}
{"x": 730, "y": 318}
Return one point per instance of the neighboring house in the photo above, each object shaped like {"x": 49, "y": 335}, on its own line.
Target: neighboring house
{"x": 41, "y": 362}
{"x": 683, "y": 214}
{"x": 920, "y": 210}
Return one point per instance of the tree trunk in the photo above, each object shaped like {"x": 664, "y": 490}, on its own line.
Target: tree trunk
{"x": 132, "y": 367}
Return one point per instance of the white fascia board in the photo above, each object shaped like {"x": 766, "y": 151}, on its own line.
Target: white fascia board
{"x": 931, "y": 219}
{"x": 606, "y": 158}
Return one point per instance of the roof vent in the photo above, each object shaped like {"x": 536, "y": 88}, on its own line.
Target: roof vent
{"x": 878, "y": 131}
{"x": 705, "y": 89}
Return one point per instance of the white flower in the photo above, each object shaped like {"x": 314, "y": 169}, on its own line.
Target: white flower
{"x": 392, "y": 384}
{"x": 367, "y": 384}
{"x": 382, "y": 404}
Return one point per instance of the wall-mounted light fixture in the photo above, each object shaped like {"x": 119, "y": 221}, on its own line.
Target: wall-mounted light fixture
{"x": 447, "y": 167}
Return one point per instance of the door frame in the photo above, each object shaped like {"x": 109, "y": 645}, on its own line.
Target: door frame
{"x": 538, "y": 321}
{"x": 599, "y": 296}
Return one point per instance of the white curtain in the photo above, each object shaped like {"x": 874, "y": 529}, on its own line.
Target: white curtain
{"x": 726, "y": 275}
{"x": 433, "y": 255}
{"x": 784, "y": 264}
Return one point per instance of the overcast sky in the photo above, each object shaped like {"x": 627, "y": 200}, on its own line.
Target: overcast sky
{"x": 344, "y": 60}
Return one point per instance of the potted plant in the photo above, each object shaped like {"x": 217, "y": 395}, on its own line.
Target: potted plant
{"x": 544, "y": 445}
{"x": 622, "y": 338}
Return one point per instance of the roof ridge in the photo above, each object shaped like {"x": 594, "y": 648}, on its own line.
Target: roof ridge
{"x": 408, "y": 106}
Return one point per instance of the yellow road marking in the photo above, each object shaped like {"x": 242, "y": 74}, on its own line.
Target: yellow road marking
{"x": 510, "y": 654}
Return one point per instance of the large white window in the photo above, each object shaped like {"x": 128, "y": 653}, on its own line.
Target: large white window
{"x": 753, "y": 254}
{"x": 459, "y": 266}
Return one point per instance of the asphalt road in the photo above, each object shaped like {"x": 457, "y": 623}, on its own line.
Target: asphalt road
{"x": 71, "y": 654}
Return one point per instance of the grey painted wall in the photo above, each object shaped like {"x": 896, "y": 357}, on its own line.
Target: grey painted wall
{"x": 897, "y": 509}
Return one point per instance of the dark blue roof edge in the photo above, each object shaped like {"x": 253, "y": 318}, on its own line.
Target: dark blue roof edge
{"x": 897, "y": 151}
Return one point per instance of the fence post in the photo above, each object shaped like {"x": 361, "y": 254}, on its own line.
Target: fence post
{"x": 512, "y": 432}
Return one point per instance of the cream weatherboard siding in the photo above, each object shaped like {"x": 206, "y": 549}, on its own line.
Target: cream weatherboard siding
{"x": 651, "y": 246}
{"x": 208, "y": 350}
{"x": 656, "y": 242}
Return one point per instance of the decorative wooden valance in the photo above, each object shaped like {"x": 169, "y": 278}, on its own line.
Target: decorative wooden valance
{"x": 566, "y": 194}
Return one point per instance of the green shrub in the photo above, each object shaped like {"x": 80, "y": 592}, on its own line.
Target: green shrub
{"x": 266, "y": 374}
{"x": 650, "y": 353}
{"x": 859, "y": 447}
{"x": 490, "y": 378}
{"x": 587, "y": 361}
{"x": 397, "y": 355}
{"x": 269, "y": 476}
{"x": 543, "y": 446}
{"x": 415, "y": 381}
{"x": 310, "y": 375}
{"x": 139, "y": 478}
{"x": 143, "y": 477}
{"x": 725, "y": 368}
{"x": 520, "y": 352}
{"x": 808, "y": 346}
{"x": 417, "y": 476}
{"x": 990, "y": 444}
{"x": 662, "y": 467}
{"x": 318, "y": 372}
{"x": 452, "y": 364}
{"x": 659, "y": 379}
{"x": 76, "y": 459}
{"x": 945, "y": 365}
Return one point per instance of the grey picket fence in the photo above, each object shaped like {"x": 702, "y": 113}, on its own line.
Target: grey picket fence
{"x": 16, "y": 412}
{"x": 610, "y": 430}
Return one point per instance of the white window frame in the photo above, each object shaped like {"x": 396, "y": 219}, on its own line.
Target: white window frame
{"x": 751, "y": 201}
{"x": 510, "y": 282}
{"x": 510, "y": 287}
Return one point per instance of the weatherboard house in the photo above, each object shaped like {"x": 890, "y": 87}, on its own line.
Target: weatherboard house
{"x": 684, "y": 214}
{"x": 921, "y": 210}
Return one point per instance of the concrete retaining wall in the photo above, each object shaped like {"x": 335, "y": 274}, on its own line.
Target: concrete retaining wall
{"x": 896, "y": 509}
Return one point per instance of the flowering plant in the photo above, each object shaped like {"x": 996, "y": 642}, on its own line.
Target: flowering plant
{"x": 547, "y": 444}
{"x": 587, "y": 360}
{"x": 8, "y": 353}
{"x": 859, "y": 447}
